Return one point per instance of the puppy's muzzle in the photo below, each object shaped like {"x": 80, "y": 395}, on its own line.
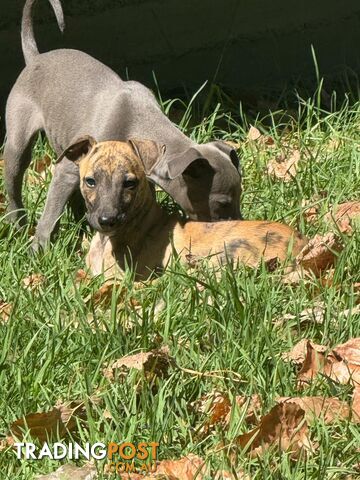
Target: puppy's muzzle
{"x": 109, "y": 222}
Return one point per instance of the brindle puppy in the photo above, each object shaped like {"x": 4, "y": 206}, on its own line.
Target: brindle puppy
{"x": 134, "y": 229}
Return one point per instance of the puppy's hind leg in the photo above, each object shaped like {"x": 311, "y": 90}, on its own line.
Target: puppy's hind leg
{"x": 23, "y": 121}
{"x": 17, "y": 157}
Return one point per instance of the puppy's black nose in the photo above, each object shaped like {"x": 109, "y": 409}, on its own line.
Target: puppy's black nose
{"x": 107, "y": 221}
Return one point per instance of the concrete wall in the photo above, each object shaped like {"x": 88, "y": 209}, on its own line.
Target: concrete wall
{"x": 249, "y": 46}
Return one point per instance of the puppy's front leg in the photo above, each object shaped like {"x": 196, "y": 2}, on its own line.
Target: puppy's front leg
{"x": 64, "y": 183}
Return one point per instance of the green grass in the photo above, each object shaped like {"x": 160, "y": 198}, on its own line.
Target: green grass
{"x": 55, "y": 344}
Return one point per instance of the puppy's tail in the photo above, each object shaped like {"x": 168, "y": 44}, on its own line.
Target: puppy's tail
{"x": 28, "y": 42}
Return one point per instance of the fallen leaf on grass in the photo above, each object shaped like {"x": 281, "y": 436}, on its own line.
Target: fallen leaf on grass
{"x": 284, "y": 427}
{"x": 318, "y": 255}
{"x": 310, "y": 213}
{"x": 42, "y": 164}
{"x": 103, "y": 296}
{"x": 329, "y": 409}
{"x": 82, "y": 277}
{"x": 255, "y": 135}
{"x": 5, "y": 311}
{"x": 315, "y": 314}
{"x": 218, "y": 408}
{"x": 311, "y": 207}
{"x": 284, "y": 167}
{"x": 341, "y": 364}
{"x": 154, "y": 363}
{"x": 71, "y": 472}
{"x": 190, "y": 467}
{"x": 60, "y": 420}
{"x": 313, "y": 363}
{"x": 33, "y": 281}
{"x": 343, "y": 215}
{"x": 40, "y": 167}
{"x": 298, "y": 353}
{"x": 349, "y": 351}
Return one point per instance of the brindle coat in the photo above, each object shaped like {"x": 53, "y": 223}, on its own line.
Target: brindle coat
{"x": 141, "y": 233}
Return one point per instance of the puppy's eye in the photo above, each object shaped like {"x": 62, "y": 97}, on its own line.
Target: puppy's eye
{"x": 130, "y": 184}
{"x": 90, "y": 182}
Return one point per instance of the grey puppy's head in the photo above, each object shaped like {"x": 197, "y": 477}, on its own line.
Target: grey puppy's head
{"x": 204, "y": 179}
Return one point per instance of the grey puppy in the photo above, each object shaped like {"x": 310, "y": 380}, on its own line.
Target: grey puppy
{"x": 67, "y": 93}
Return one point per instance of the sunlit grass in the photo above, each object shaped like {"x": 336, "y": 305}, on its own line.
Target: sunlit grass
{"x": 56, "y": 343}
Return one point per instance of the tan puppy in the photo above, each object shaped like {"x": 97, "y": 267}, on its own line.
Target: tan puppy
{"x": 135, "y": 230}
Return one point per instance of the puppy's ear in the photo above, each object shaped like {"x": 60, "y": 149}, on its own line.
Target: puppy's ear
{"x": 149, "y": 152}
{"x": 189, "y": 163}
{"x": 76, "y": 151}
{"x": 225, "y": 148}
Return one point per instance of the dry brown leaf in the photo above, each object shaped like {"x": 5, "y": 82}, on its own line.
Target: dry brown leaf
{"x": 154, "y": 363}
{"x": 5, "y": 311}
{"x": 71, "y": 472}
{"x": 310, "y": 213}
{"x": 314, "y": 314}
{"x": 340, "y": 365}
{"x": 43, "y": 425}
{"x": 329, "y": 409}
{"x": 103, "y": 296}
{"x": 40, "y": 425}
{"x": 313, "y": 364}
{"x": 82, "y": 277}
{"x": 284, "y": 427}
{"x": 218, "y": 408}
{"x": 253, "y": 133}
{"x": 33, "y": 281}
{"x": 190, "y": 467}
{"x": 298, "y": 353}
{"x": 284, "y": 167}
{"x": 216, "y": 405}
{"x": 42, "y": 164}
{"x": 349, "y": 351}
{"x": 342, "y": 372}
{"x": 253, "y": 408}
{"x": 343, "y": 215}
{"x": 318, "y": 255}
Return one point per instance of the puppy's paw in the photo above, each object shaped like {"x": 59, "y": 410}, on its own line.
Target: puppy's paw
{"x": 39, "y": 245}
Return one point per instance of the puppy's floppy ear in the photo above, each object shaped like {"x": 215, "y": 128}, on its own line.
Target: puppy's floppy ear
{"x": 77, "y": 150}
{"x": 149, "y": 152}
{"x": 225, "y": 148}
{"x": 191, "y": 163}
